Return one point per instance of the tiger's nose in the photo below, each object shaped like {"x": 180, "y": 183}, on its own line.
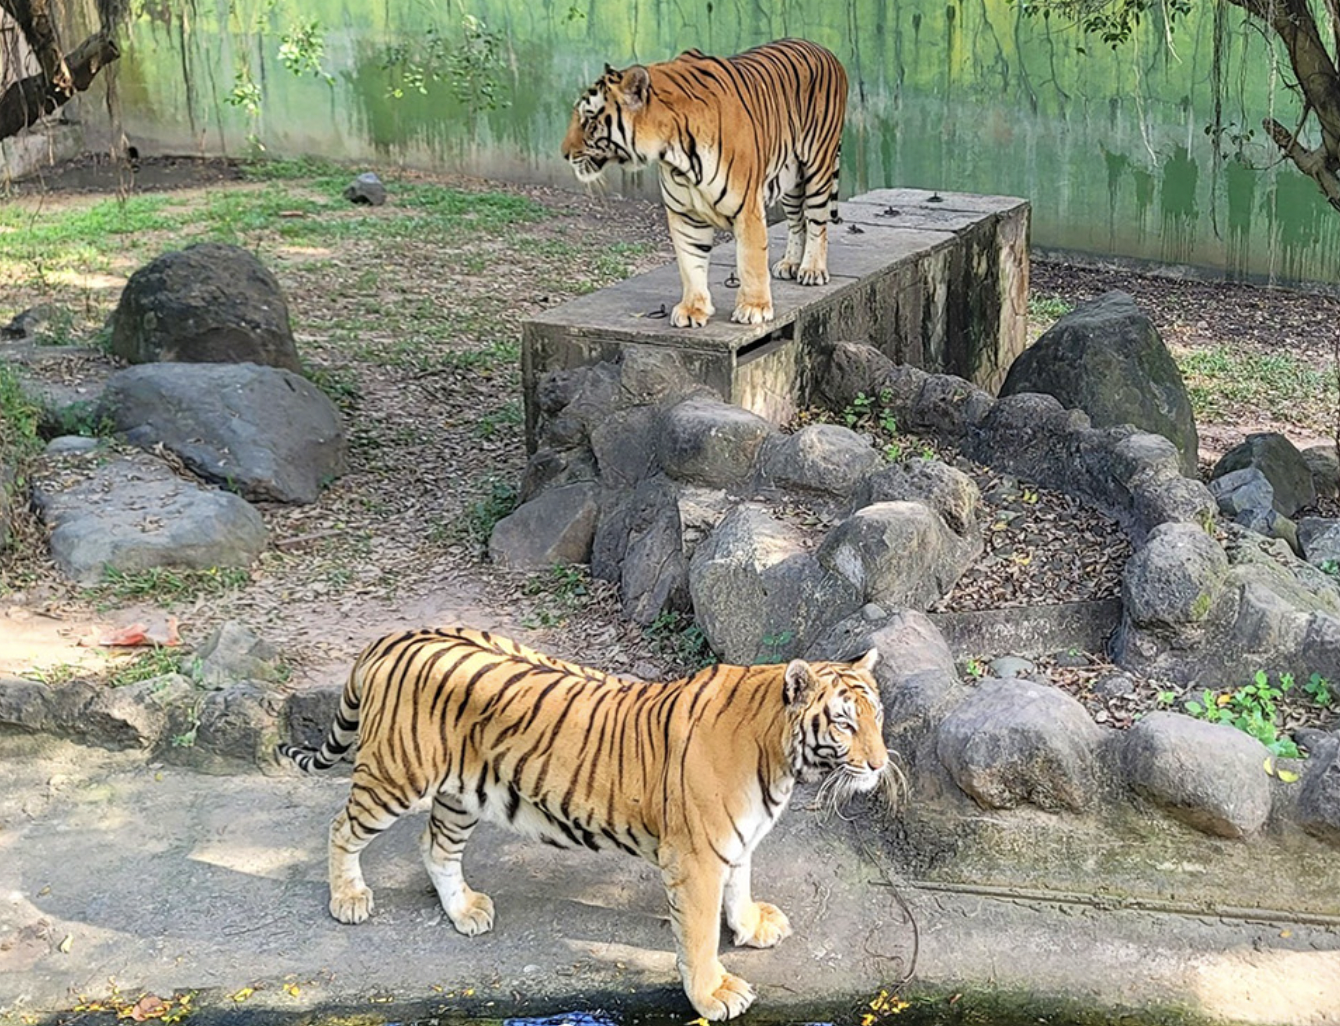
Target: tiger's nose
{"x": 877, "y": 763}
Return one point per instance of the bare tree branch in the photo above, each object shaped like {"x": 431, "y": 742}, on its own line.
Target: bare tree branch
{"x": 39, "y": 29}
{"x": 24, "y": 102}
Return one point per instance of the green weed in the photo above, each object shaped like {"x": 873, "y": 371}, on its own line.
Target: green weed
{"x": 161, "y": 584}
{"x": 560, "y": 591}
{"x": 1048, "y": 307}
{"x": 773, "y": 643}
{"x": 483, "y": 514}
{"x": 1251, "y": 709}
{"x": 679, "y": 638}
{"x": 19, "y": 417}
{"x": 151, "y": 663}
{"x": 509, "y": 415}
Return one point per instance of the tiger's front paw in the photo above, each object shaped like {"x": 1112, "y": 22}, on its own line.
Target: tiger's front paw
{"x": 766, "y": 927}
{"x": 351, "y": 904}
{"x": 472, "y": 913}
{"x": 812, "y": 275}
{"x": 785, "y": 269}
{"x": 752, "y": 313}
{"x": 692, "y": 313}
{"x": 731, "y": 996}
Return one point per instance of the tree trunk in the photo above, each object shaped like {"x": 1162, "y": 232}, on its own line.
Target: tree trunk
{"x": 1315, "y": 69}
{"x": 29, "y": 99}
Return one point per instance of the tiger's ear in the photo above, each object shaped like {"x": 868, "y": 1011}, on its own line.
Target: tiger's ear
{"x": 636, "y": 87}
{"x": 799, "y": 683}
{"x": 867, "y": 662}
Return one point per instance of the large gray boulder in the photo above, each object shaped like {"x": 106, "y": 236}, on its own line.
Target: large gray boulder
{"x": 1014, "y": 741}
{"x": 1282, "y": 464}
{"x": 1325, "y": 466}
{"x": 1208, "y": 775}
{"x": 208, "y": 303}
{"x": 952, "y": 494}
{"x": 824, "y": 458}
{"x": 758, "y": 595}
{"x": 1107, "y": 359}
{"x": 133, "y": 513}
{"x": 555, "y": 528}
{"x": 267, "y": 434}
{"x": 706, "y": 441}
{"x": 898, "y": 554}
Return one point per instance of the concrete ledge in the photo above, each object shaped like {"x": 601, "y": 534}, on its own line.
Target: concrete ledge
{"x": 938, "y": 281}
{"x": 1030, "y": 630}
{"x": 45, "y": 144}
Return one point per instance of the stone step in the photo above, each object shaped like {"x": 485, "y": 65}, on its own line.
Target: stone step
{"x": 939, "y": 281}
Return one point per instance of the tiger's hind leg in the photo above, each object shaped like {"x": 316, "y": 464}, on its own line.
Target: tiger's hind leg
{"x": 449, "y": 826}
{"x": 820, "y": 208}
{"x": 756, "y": 924}
{"x": 793, "y": 206}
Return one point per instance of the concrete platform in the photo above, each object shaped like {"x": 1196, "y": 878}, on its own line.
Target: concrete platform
{"x": 939, "y": 281}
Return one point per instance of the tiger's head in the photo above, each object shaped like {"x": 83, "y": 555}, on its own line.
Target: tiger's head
{"x": 837, "y": 725}
{"x": 605, "y": 122}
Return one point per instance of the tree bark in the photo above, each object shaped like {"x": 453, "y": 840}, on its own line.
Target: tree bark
{"x": 1317, "y": 76}
{"x": 39, "y": 29}
{"x": 24, "y": 102}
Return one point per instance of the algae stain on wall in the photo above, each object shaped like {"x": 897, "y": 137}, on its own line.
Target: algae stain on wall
{"x": 1110, "y": 147}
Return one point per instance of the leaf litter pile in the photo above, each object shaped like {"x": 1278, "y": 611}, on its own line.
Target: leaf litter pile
{"x": 409, "y": 317}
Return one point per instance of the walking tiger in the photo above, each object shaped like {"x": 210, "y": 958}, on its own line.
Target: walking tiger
{"x": 689, "y": 775}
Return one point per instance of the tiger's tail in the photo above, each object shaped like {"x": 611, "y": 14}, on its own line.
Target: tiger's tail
{"x": 833, "y": 216}
{"x": 341, "y": 736}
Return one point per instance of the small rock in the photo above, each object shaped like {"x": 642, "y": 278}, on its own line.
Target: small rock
{"x": 1013, "y": 741}
{"x": 235, "y": 653}
{"x": 554, "y": 529}
{"x": 1282, "y": 464}
{"x": 1070, "y": 659}
{"x": 1319, "y": 538}
{"x": 1319, "y": 799}
{"x": 66, "y": 444}
{"x": 1325, "y": 467}
{"x": 1011, "y": 666}
{"x": 366, "y": 189}
{"x": 1116, "y": 685}
{"x": 1240, "y": 490}
{"x": 872, "y": 612}
{"x": 27, "y": 323}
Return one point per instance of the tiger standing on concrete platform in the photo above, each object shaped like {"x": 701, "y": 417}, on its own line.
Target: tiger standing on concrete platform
{"x": 730, "y": 137}
{"x": 688, "y": 775}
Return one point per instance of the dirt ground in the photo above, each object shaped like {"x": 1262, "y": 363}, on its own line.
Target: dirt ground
{"x": 412, "y": 325}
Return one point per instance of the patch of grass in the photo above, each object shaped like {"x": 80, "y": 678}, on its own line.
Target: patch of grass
{"x": 482, "y": 515}
{"x": 509, "y": 415}
{"x": 339, "y": 383}
{"x": 81, "y": 417}
{"x": 19, "y": 417}
{"x": 161, "y": 584}
{"x": 679, "y": 638}
{"x": 296, "y": 169}
{"x": 560, "y": 590}
{"x": 229, "y": 214}
{"x": 1044, "y": 307}
{"x": 1220, "y": 381}
{"x": 76, "y": 231}
{"x": 151, "y": 663}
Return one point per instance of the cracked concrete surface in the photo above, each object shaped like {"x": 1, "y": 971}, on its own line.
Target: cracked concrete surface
{"x": 159, "y": 879}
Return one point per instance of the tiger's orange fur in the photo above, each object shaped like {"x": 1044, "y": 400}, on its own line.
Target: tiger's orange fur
{"x": 689, "y": 775}
{"x": 730, "y": 137}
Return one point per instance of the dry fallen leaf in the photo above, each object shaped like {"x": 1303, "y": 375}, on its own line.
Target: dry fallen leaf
{"x": 64, "y": 946}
